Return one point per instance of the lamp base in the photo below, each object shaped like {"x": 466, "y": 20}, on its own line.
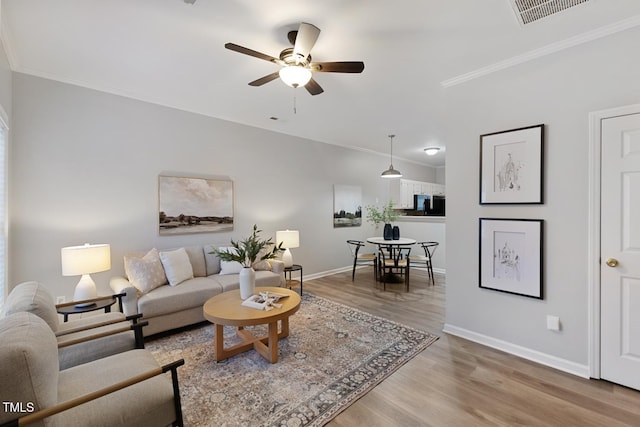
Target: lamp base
{"x": 85, "y": 289}
{"x": 287, "y": 258}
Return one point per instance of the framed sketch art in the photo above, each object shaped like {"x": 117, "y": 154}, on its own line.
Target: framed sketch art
{"x": 511, "y": 166}
{"x": 194, "y": 205}
{"x": 511, "y": 256}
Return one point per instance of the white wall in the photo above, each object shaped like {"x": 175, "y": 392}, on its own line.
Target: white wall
{"x": 5, "y": 82}
{"x": 86, "y": 164}
{"x": 558, "y": 90}
{"x": 426, "y": 229}
{"x": 6, "y": 102}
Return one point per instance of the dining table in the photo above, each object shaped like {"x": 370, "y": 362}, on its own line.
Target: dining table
{"x": 392, "y": 247}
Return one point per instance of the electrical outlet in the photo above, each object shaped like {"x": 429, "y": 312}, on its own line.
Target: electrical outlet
{"x": 553, "y": 323}
{"x": 61, "y": 299}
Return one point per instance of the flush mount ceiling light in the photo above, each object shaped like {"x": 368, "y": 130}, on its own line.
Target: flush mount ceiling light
{"x": 431, "y": 151}
{"x": 391, "y": 172}
{"x": 295, "y": 75}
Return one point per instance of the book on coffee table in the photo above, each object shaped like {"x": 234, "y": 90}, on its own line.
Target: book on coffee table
{"x": 264, "y": 301}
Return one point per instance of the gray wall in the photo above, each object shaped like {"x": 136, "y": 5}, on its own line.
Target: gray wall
{"x": 558, "y": 90}
{"x": 6, "y": 102}
{"x": 86, "y": 166}
{"x": 6, "y": 92}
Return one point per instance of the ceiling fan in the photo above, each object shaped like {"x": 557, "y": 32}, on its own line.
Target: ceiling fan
{"x": 296, "y": 61}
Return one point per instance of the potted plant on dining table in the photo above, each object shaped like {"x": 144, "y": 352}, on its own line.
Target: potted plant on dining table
{"x": 246, "y": 252}
{"x": 386, "y": 215}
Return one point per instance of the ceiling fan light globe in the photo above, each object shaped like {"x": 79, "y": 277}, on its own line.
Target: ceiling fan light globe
{"x": 294, "y": 75}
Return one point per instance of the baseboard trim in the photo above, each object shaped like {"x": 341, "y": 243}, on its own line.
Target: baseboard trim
{"x": 349, "y": 268}
{"x": 327, "y": 272}
{"x": 526, "y": 353}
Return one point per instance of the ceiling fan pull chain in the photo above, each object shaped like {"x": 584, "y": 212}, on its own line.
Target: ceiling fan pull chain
{"x": 295, "y": 110}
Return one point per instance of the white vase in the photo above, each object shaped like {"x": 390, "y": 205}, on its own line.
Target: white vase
{"x": 247, "y": 282}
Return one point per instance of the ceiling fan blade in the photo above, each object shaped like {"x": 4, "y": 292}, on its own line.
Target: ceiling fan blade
{"x": 250, "y": 52}
{"x": 265, "y": 79}
{"x": 305, "y": 39}
{"x": 313, "y": 87}
{"x": 337, "y": 67}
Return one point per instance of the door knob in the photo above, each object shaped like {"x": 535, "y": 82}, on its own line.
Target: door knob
{"x": 612, "y": 262}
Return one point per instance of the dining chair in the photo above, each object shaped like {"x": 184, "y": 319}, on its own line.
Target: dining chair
{"x": 425, "y": 261}
{"x": 393, "y": 262}
{"x": 362, "y": 258}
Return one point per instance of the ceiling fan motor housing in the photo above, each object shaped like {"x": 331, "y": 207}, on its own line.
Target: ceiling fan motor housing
{"x": 288, "y": 57}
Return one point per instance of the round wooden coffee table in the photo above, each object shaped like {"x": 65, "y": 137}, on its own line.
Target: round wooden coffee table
{"x": 226, "y": 309}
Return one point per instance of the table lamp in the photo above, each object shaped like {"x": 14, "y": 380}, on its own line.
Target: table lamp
{"x": 82, "y": 261}
{"x": 289, "y": 239}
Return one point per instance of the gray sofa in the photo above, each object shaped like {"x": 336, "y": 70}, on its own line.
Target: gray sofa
{"x": 157, "y": 285}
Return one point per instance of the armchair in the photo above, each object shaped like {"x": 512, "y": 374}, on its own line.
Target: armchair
{"x": 82, "y": 340}
{"x": 126, "y": 389}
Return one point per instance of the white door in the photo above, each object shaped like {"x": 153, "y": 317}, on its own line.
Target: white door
{"x": 620, "y": 251}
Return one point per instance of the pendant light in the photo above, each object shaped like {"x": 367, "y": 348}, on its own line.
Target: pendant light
{"x": 391, "y": 172}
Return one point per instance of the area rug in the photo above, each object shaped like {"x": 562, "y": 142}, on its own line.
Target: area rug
{"x": 333, "y": 356}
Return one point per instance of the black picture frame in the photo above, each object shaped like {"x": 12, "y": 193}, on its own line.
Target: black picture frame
{"x": 512, "y": 166}
{"x": 511, "y": 256}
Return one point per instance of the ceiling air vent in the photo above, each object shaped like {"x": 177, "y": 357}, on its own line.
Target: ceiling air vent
{"x": 529, "y": 11}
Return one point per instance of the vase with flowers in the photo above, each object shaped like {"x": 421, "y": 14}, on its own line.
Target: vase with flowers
{"x": 386, "y": 215}
{"x": 246, "y": 252}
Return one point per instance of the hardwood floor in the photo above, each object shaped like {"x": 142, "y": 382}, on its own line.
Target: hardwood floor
{"x": 456, "y": 382}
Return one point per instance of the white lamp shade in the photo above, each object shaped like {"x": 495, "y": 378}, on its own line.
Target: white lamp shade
{"x": 295, "y": 75}
{"x": 289, "y": 238}
{"x": 85, "y": 259}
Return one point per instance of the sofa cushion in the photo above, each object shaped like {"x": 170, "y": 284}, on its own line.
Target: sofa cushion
{"x": 29, "y": 368}
{"x": 95, "y": 348}
{"x": 148, "y": 403}
{"x": 212, "y": 260}
{"x": 198, "y": 263}
{"x": 231, "y": 282}
{"x": 229, "y": 267}
{"x": 177, "y": 266}
{"x": 166, "y": 299}
{"x": 32, "y": 297}
{"x": 145, "y": 273}
{"x": 88, "y": 322}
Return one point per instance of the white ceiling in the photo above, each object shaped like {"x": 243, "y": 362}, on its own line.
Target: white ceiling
{"x": 172, "y": 53}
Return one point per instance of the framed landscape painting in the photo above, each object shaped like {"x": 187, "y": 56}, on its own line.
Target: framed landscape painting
{"x": 511, "y": 256}
{"x": 194, "y": 205}
{"x": 511, "y": 166}
{"x": 347, "y": 206}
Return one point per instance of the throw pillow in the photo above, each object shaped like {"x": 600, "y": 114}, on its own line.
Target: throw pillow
{"x": 177, "y": 266}
{"x": 145, "y": 273}
{"x": 212, "y": 260}
{"x": 229, "y": 267}
{"x": 264, "y": 264}
{"x": 261, "y": 265}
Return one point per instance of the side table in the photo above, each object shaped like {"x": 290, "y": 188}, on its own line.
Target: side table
{"x": 289, "y": 282}
{"x": 101, "y": 303}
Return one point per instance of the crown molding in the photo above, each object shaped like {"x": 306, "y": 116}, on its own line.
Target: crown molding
{"x": 598, "y": 33}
